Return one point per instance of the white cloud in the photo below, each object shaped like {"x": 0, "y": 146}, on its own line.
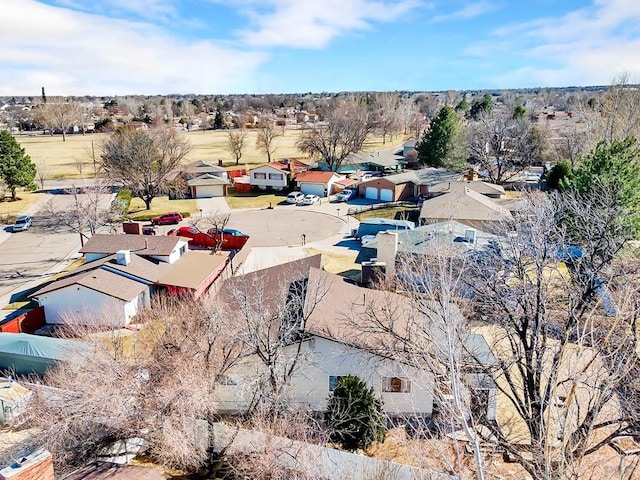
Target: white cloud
{"x": 471, "y": 10}
{"x": 75, "y": 53}
{"x": 314, "y": 23}
{"x": 587, "y": 46}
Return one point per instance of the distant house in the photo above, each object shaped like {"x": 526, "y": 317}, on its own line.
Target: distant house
{"x": 206, "y": 180}
{"x": 276, "y": 175}
{"x": 317, "y": 183}
{"x": 113, "y": 287}
{"x": 408, "y": 147}
{"x": 378, "y": 161}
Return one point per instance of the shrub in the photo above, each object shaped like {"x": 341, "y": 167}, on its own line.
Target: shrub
{"x": 354, "y": 416}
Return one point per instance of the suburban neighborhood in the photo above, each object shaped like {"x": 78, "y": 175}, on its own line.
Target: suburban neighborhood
{"x": 359, "y": 284}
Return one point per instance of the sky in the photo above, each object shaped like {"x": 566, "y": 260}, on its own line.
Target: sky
{"x": 148, "y": 47}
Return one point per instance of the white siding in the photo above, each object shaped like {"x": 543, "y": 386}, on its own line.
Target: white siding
{"x": 272, "y": 182}
{"x": 84, "y": 303}
{"x": 323, "y": 358}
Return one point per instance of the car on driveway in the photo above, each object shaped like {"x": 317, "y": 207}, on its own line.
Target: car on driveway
{"x": 310, "y": 199}
{"x": 347, "y": 194}
{"x": 225, "y": 238}
{"x": 295, "y": 197}
{"x": 23, "y": 222}
{"x": 169, "y": 218}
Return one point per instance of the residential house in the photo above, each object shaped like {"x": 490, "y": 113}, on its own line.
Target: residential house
{"x": 408, "y": 147}
{"x": 276, "y": 175}
{"x": 112, "y": 288}
{"x": 384, "y": 161}
{"x": 461, "y": 202}
{"x": 206, "y": 180}
{"x": 318, "y": 183}
{"x": 404, "y": 186}
{"x": 332, "y": 344}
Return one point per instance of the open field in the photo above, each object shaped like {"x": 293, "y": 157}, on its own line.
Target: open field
{"x": 66, "y": 159}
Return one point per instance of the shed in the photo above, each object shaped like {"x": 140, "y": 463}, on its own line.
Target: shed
{"x": 27, "y": 354}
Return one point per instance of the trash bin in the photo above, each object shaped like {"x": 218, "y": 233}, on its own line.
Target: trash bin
{"x": 219, "y": 162}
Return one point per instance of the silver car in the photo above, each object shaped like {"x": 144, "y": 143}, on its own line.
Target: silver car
{"x": 23, "y": 222}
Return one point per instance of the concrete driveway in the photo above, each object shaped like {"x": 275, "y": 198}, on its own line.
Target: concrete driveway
{"x": 285, "y": 225}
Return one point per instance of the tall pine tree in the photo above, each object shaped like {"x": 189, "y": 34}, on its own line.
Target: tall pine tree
{"x": 440, "y": 145}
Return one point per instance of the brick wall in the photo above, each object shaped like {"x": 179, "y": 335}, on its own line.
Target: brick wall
{"x": 37, "y": 466}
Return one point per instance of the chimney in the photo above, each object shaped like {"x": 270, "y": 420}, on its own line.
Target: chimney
{"x": 387, "y": 250}
{"x": 123, "y": 257}
{"x": 38, "y": 465}
{"x": 470, "y": 235}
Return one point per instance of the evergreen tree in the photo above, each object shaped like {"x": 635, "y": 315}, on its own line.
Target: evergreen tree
{"x": 463, "y": 105}
{"x": 558, "y": 173}
{"x": 615, "y": 169}
{"x": 479, "y": 107}
{"x": 218, "y": 121}
{"x": 519, "y": 111}
{"x": 16, "y": 167}
{"x": 354, "y": 415}
{"x": 440, "y": 145}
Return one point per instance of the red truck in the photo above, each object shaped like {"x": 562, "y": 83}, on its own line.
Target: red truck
{"x": 227, "y": 238}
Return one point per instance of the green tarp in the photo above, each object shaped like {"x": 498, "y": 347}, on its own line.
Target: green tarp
{"x": 28, "y": 354}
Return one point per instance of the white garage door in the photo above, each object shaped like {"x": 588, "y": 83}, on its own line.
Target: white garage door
{"x": 312, "y": 189}
{"x": 208, "y": 191}
{"x": 386, "y": 195}
{"x": 371, "y": 193}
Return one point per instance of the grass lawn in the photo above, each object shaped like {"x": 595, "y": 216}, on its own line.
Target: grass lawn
{"x": 254, "y": 199}
{"x": 63, "y": 159}
{"x": 340, "y": 264}
{"x": 395, "y": 213}
{"x": 9, "y": 210}
{"x": 160, "y": 205}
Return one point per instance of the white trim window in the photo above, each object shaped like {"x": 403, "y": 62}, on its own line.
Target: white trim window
{"x": 259, "y": 175}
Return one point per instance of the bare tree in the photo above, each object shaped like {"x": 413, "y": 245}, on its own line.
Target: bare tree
{"x": 346, "y": 128}
{"x": 89, "y": 209}
{"x": 387, "y": 118}
{"x": 144, "y": 161}
{"x": 503, "y": 146}
{"x": 62, "y": 115}
{"x": 267, "y": 133}
{"x": 212, "y": 225}
{"x": 235, "y": 142}
{"x": 409, "y": 116}
{"x": 42, "y": 172}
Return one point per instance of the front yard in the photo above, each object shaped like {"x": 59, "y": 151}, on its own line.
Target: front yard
{"x": 255, "y": 199}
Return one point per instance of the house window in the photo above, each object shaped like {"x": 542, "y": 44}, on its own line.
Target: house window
{"x": 333, "y": 381}
{"x": 275, "y": 176}
{"x": 259, "y": 175}
{"x": 396, "y": 385}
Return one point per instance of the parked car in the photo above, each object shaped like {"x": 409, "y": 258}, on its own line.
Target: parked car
{"x": 347, "y": 194}
{"x": 148, "y": 230}
{"x": 310, "y": 199}
{"x": 295, "y": 197}
{"x": 227, "y": 238}
{"x": 23, "y": 222}
{"x": 169, "y": 218}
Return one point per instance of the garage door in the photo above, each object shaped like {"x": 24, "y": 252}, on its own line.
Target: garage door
{"x": 312, "y": 189}
{"x": 386, "y": 195}
{"x": 371, "y": 193}
{"x": 208, "y": 191}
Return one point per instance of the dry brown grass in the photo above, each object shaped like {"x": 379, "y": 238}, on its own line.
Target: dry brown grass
{"x": 61, "y": 158}
{"x": 9, "y": 210}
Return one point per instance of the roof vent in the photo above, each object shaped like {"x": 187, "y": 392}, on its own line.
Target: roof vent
{"x": 470, "y": 235}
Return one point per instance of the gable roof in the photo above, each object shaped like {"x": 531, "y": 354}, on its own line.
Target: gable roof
{"x": 101, "y": 281}
{"x": 463, "y": 204}
{"x": 397, "y": 179}
{"x": 140, "y": 244}
{"x": 484, "y": 188}
{"x": 433, "y": 176}
{"x": 316, "y": 177}
{"x": 207, "y": 179}
{"x": 204, "y": 166}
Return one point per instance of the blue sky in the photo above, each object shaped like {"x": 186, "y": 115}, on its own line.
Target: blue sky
{"x": 119, "y": 47}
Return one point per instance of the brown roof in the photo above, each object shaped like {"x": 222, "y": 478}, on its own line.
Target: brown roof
{"x": 103, "y": 281}
{"x": 139, "y": 244}
{"x": 315, "y": 177}
{"x": 462, "y": 204}
{"x": 347, "y": 182}
{"x": 266, "y": 286}
{"x": 113, "y": 471}
{"x": 192, "y": 269}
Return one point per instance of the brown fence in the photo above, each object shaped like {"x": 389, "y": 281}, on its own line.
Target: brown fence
{"x": 379, "y": 206}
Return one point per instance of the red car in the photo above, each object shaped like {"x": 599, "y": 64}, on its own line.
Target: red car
{"x": 229, "y": 238}
{"x": 169, "y": 218}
